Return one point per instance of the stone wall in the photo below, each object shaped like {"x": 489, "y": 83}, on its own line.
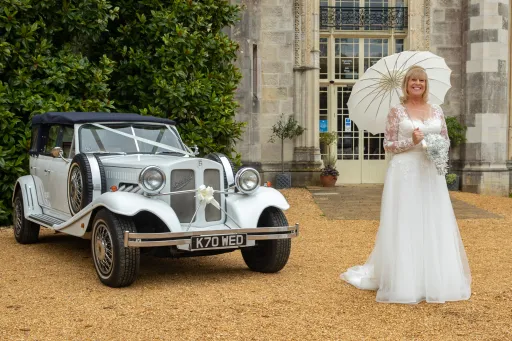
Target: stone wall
{"x": 277, "y": 85}
{"x": 486, "y": 97}
{"x": 247, "y": 34}
{"x": 281, "y": 79}
{"x": 446, "y": 41}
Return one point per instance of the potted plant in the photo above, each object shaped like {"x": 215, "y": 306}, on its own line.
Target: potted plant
{"x": 457, "y": 135}
{"x": 329, "y": 174}
{"x": 452, "y": 181}
{"x": 282, "y": 130}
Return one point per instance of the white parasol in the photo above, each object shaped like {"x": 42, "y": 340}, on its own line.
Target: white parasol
{"x": 380, "y": 88}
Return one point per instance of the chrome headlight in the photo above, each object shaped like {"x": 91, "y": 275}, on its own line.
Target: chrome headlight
{"x": 247, "y": 180}
{"x": 152, "y": 179}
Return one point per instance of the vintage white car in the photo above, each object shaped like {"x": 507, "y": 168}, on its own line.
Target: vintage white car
{"x": 129, "y": 184}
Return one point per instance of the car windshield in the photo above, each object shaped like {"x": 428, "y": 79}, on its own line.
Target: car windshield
{"x": 129, "y": 138}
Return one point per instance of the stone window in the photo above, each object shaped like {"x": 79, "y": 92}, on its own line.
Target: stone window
{"x": 323, "y": 58}
{"x": 346, "y": 58}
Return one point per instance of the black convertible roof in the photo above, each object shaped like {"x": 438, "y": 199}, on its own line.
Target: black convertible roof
{"x": 92, "y": 117}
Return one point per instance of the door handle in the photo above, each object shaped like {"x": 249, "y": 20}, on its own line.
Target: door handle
{"x": 33, "y": 167}
{"x": 47, "y": 171}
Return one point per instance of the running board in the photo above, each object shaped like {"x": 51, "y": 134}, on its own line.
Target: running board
{"x": 45, "y": 220}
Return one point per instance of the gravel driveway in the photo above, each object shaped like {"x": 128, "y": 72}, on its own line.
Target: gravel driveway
{"x": 49, "y": 290}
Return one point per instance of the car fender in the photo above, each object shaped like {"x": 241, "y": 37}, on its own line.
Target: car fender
{"x": 27, "y": 186}
{"x": 244, "y": 210}
{"x": 122, "y": 203}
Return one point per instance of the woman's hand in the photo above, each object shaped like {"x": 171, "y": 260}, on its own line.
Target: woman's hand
{"x": 417, "y": 136}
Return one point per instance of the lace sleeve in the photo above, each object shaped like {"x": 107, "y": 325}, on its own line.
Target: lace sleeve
{"x": 391, "y": 142}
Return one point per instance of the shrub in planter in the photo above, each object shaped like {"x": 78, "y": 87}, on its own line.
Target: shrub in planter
{"x": 329, "y": 174}
{"x": 282, "y": 130}
{"x": 452, "y": 181}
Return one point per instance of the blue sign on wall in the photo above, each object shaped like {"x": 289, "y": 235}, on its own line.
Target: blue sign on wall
{"x": 323, "y": 126}
{"x": 348, "y": 125}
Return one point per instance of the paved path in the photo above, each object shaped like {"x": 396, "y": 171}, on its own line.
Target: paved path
{"x": 346, "y": 202}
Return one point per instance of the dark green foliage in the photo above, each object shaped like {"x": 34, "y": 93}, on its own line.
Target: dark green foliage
{"x": 174, "y": 61}
{"x": 456, "y": 131}
{"x": 163, "y": 58}
{"x": 44, "y": 67}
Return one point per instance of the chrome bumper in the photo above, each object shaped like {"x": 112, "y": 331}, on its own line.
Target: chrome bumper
{"x": 183, "y": 238}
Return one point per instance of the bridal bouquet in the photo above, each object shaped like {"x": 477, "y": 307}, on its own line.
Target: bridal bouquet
{"x": 436, "y": 148}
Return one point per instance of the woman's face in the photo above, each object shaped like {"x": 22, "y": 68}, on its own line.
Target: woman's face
{"x": 416, "y": 85}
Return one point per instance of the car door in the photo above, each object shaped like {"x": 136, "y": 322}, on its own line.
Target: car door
{"x": 43, "y": 167}
{"x": 38, "y": 164}
{"x": 59, "y": 167}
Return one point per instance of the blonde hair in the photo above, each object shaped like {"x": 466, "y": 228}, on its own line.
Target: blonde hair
{"x": 414, "y": 71}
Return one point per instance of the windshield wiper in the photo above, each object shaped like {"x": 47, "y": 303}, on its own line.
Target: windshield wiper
{"x": 171, "y": 152}
{"x": 105, "y": 153}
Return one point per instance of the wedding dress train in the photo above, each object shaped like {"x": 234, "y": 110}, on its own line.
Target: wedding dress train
{"x": 418, "y": 253}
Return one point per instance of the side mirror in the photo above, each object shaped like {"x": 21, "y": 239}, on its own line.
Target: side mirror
{"x": 196, "y": 150}
{"x": 56, "y": 152}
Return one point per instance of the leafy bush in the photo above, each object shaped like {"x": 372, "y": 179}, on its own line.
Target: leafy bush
{"x": 285, "y": 129}
{"x": 163, "y": 58}
{"x": 43, "y": 67}
{"x": 450, "y": 178}
{"x": 328, "y": 138}
{"x": 456, "y": 131}
{"x": 174, "y": 61}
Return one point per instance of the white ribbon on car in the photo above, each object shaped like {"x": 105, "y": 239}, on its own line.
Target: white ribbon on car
{"x": 141, "y": 139}
{"x": 205, "y": 195}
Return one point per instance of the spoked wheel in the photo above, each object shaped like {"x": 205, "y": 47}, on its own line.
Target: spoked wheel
{"x": 25, "y": 231}
{"x": 102, "y": 245}
{"x": 76, "y": 188}
{"x": 80, "y": 187}
{"x": 116, "y": 265}
{"x": 269, "y": 255}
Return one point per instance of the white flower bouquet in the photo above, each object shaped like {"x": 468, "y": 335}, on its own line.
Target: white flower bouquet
{"x": 436, "y": 148}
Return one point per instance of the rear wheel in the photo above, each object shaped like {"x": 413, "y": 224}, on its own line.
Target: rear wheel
{"x": 25, "y": 231}
{"x": 269, "y": 255}
{"x": 116, "y": 265}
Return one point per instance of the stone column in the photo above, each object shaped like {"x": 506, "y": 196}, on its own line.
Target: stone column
{"x": 486, "y": 98}
{"x": 306, "y": 161}
{"x": 419, "y": 25}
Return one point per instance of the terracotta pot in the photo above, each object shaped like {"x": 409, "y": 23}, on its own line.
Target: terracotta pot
{"x": 328, "y": 180}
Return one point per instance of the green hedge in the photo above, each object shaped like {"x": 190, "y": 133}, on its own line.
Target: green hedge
{"x": 162, "y": 58}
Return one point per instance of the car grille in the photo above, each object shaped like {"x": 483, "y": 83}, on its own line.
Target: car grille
{"x": 185, "y": 205}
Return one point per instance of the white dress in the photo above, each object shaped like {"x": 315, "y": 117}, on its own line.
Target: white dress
{"x": 418, "y": 253}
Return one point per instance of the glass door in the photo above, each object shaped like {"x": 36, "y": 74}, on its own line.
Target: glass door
{"x": 344, "y": 57}
{"x": 349, "y": 142}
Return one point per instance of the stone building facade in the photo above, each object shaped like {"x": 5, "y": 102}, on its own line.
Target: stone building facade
{"x": 301, "y": 58}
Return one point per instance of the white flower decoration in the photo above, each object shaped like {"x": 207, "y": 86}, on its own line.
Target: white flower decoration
{"x": 205, "y": 195}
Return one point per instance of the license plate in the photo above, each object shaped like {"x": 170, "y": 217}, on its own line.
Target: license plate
{"x": 218, "y": 242}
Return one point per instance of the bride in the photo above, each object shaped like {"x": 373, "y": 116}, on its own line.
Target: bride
{"x": 418, "y": 253}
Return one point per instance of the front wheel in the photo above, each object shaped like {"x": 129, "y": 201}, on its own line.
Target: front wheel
{"x": 25, "y": 231}
{"x": 116, "y": 265}
{"x": 269, "y": 255}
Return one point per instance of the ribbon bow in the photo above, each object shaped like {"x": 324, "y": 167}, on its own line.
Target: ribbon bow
{"x": 205, "y": 195}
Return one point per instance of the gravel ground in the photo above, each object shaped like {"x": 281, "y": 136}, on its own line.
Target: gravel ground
{"x": 49, "y": 291}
